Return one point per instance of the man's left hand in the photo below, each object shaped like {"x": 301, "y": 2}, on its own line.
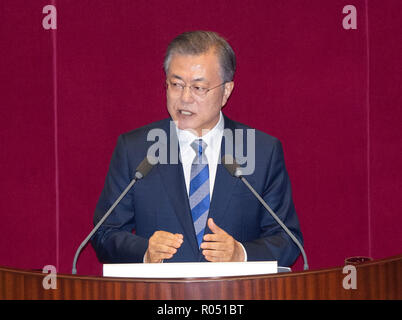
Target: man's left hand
{"x": 220, "y": 246}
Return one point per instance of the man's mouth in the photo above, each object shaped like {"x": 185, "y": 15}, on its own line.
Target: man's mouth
{"x": 186, "y": 113}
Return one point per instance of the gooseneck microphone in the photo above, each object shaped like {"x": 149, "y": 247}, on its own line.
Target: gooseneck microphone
{"x": 142, "y": 170}
{"x": 235, "y": 170}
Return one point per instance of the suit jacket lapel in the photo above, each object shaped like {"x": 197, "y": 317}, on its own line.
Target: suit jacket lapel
{"x": 224, "y": 186}
{"x": 223, "y": 189}
{"x": 173, "y": 182}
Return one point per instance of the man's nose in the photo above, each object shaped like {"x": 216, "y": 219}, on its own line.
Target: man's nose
{"x": 186, "y": 95}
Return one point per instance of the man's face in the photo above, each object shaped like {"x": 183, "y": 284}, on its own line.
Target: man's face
{"x": 188, "y": 110}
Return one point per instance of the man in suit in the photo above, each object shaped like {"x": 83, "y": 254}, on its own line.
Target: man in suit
{"x": 193, "y": 209}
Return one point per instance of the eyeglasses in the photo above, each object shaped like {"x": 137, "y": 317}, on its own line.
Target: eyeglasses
{"x": 199, "y": 91}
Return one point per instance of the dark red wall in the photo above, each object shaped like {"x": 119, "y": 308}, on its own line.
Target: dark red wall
{"x": 331, "y": 95}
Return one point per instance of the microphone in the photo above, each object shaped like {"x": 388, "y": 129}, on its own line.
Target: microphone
{"x": 235, "y": 170}
{"x": 142, "y": 170}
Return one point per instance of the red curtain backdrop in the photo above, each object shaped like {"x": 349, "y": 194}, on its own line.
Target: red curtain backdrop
{"x": 332, "y": 96}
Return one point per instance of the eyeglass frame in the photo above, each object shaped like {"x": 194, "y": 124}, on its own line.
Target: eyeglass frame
{"x": 193, "y": 86}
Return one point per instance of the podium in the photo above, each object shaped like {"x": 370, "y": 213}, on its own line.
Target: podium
{"x": 378, "y": 279}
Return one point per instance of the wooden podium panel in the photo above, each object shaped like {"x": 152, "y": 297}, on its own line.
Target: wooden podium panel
{"x": 380, "y": 279}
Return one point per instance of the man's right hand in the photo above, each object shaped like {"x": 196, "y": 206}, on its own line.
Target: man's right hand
{"x": 162, "y": 245}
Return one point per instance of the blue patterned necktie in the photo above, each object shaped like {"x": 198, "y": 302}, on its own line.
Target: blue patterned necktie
{"x": 199, "y": 189}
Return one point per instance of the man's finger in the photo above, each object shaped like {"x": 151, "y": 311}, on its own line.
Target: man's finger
{"x": 216, "y": 237}
{"x": 168, "y": 235}
{"x": 175, "y": 243}
{"x": 158, "y": 257}
{"x": 214, "y": 246}
{"x": 161, "y": 248}
{"x": 214, "y": 259}
{"x": 215, "y": 255}
{"x": 167, "y": 238}
{"x": 213, "y": 227}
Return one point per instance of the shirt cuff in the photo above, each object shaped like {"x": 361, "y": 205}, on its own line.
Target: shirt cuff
{"x": 245, "y": 253}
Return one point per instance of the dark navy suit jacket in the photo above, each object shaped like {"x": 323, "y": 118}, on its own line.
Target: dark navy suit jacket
{"x": 160, "y": 202}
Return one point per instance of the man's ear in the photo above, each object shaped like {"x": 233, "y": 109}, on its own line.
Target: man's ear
{"x": 228, "y": 88}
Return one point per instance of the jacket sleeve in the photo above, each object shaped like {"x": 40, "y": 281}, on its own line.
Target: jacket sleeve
{"x": 274, "y": 243}
{"x": 114, "y": 242}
